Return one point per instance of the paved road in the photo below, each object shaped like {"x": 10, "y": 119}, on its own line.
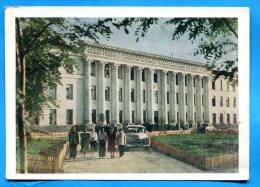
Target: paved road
{"x": 132, "y": 162}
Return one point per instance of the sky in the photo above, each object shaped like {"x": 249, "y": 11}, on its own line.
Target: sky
{"x": 158, "y": 40}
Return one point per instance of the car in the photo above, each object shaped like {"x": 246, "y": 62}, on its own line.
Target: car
{"x": 210, "y": 128}
{"x": 136, "y": 136}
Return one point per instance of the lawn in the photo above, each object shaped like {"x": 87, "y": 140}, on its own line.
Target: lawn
{"x": 41, "y": 146}
{"x": 202, "y": 144}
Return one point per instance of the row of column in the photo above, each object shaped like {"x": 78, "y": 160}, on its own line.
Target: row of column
{"x": 163, "y": 106}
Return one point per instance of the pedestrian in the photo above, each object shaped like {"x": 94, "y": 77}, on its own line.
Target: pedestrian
{"x": 93, "y": 141}
{"x": 121, "y": 142}
{"x": 73, "y": 142}
{"x": 84, "y": 142}
{"x": 102, "y": 139}
{"x": 111, "y": 142}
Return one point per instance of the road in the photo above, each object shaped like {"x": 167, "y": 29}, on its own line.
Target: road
{"x": 131, "y": 162}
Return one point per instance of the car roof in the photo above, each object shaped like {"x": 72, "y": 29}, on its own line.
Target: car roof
{"x": 134, "y": 126}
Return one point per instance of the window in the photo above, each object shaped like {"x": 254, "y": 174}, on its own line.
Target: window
{"x": 186, "y": 99}
{"x": 202, "y": 99}
{"x": 214, "y": 118}
{"x": 120, "y": 94}
{"x": 177, "y": 98}
{"x": 178, "y": 118}
{"x": 168, "y": 98}
{"x": 221, "y": 118}
{"x": 186, "y": 117}
{"x": 52, "y": 117}
{"x": 168, "y": 78}
{"x": 69, "y": 91}
{"x": 177, "y": 79}
{"x": 94, "y": 116}
{"x": 143, "y": 75}
{"x": 213, "y": 85}
{"x": 214, "y": 101}
{"x": 155, "y": 77}
{"x": 234, "y": 102}
{"x": 144, "y": 96}
{"x": 133, "y": 116}
{"x": 107, "y": 116}
{"x": 221, "y": 86}
{"x": 227, "y": 86}
{"x": 93, "y": 92}
{"x": 69, "y": 116}
{"x": 132, "y": 95}
{"x": 234, "y": 118}
{"x": 156, "y": 97}
{"x": 202, "y": 83}
{"x": 194, "y": 81}
{"x": 221, "y": 101}
{"x": 234, "y": 87}
{"x": 132, "y": 73}
{"x": 120, "y": 72}
{"x": 186, "y": 80}
{"x": 107, "y": 71}
{"x": 144, "y": 116}
{"x": 195, "y": 117}
{"x": 194, "y": 99}
{"x": 107, "y": 93}
{"x": 203, "y": 117}
{"x": 121, "y": 116}
{"x": 93, "y": 69}
{"x": 53, "y": 93}
{"x": 227, "y": 102}
{"x": 228, "y": 118}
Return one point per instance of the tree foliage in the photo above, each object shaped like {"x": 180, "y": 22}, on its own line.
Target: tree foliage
{"x": 216, "y": 38}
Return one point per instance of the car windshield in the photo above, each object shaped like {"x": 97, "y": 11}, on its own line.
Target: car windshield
{"x": 134, "y": 130}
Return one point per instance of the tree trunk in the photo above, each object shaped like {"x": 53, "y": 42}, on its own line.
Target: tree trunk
{"x": 20, "y": 60}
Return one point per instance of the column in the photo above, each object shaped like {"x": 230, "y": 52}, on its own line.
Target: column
{"x": 127, "y": 99}
{"x": 172, "y": 92}
{"x": 163, "y": 107}
{"x": 150, "y": 113}
{"x": 101, "y": 93}
{"x": 114, "y": 91}
{"x": 198, "y": 98}
{"x": 190, "y": 99}
{"x": 206, "y": 99}
{"x": 181, "y": 98}
{"x": 139, "y": 96}
{"x": 88, "y": 101}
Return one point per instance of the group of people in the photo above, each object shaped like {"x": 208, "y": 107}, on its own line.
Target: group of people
{"x": 94, "y": 141}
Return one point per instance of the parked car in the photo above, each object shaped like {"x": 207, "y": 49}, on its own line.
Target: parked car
{"x": 136, "y": 136}
{"x": 210, "y": 128}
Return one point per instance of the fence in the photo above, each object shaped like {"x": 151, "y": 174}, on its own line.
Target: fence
{"x": 47, "y": 163}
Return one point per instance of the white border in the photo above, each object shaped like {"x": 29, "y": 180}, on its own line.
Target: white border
{"x": 243, "y": 50}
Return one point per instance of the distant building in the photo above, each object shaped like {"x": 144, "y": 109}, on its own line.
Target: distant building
{"x": 115, "y": 85}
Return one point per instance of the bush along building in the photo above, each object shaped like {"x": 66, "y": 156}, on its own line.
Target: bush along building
{"x": 122, "y": 86}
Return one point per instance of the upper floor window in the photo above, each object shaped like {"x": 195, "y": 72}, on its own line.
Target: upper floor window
{"x": 155, "y": 77}
{"x": 144, "y": 98}
{"x": 194, "y": 81}
{"x": 132, "y": 75}
{"x": 168, "y": 78}
{"x": 177, "y": 98}
{"x": 168, "y": 98}
{"x": 186, "y": 80}
{"x": 186, "y": 99}
{"x": 235, "y": 102}
{"x": 227, "y": 86}
{"x": 221, "y": 85}
{"x": 69, "y": 91}
{"x": 132, "y": 95}
{"x": 107, "y": 93}
{"x": 107, "y": 71}
{"x": 177, "y": 79}
{"x": 120, "y": 94}
{"x": 194, "y": 99}
{"x": 202, "y": 83}
{"x": 214, "y": 101}
{"x": 227, "y": 102}
{"x": 221, "y": 101}
{"x": 120, "y": 72}
{"x": 156, "y": 97}
{"x": 93, "y": 69}
{"x": 143, "y": 75}
{"x": 213, "y": 85}
{"x": 234, "y": 87}
{"x": 202, "y": 99}
{"x": 93, "y": 92}
{"x": 53, "y": 93}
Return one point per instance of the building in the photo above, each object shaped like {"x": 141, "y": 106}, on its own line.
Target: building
{"x": 115, "y": 85}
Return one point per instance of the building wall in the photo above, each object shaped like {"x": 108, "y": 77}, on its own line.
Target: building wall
{"x": 167, "y": 69}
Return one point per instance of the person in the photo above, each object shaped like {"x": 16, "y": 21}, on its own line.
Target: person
{"x": 111, "y": 141}
{"x": 102, "y": 139}
{"x": 121, "y": 142}
{"x": 93, "y": 141}
{"x": 84, "y": 142}
{"x": 73, "y": 142}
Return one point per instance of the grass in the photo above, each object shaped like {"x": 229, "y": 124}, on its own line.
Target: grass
{"x": 41, "y": 146}
{"x": 202, "y": 144}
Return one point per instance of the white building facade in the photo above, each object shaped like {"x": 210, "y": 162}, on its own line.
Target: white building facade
{"x": 115, "y": 85}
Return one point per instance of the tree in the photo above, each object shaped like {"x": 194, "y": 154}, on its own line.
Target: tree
{"x": 43, "y": 45}
{"x": 216, "y": 38}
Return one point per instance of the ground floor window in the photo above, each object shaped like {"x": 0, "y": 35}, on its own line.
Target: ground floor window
{"x": 228, "y": 118}
{"x": 69, "y": 116}
{"x": 133, "y": 116}
{"x": 234, "y": 118}
{"x": 221, "y": 118}
{"x": 120, "y": 116}
{"x": 144, "y": 116}
{"x": 178, "y": 117}
{"x": 156, "y": 117}
{"x": 53, "y": 117}
{"x": 107, "y": 116}
{"x": 94, "y": 116}
{"x": 214, "y": 118}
